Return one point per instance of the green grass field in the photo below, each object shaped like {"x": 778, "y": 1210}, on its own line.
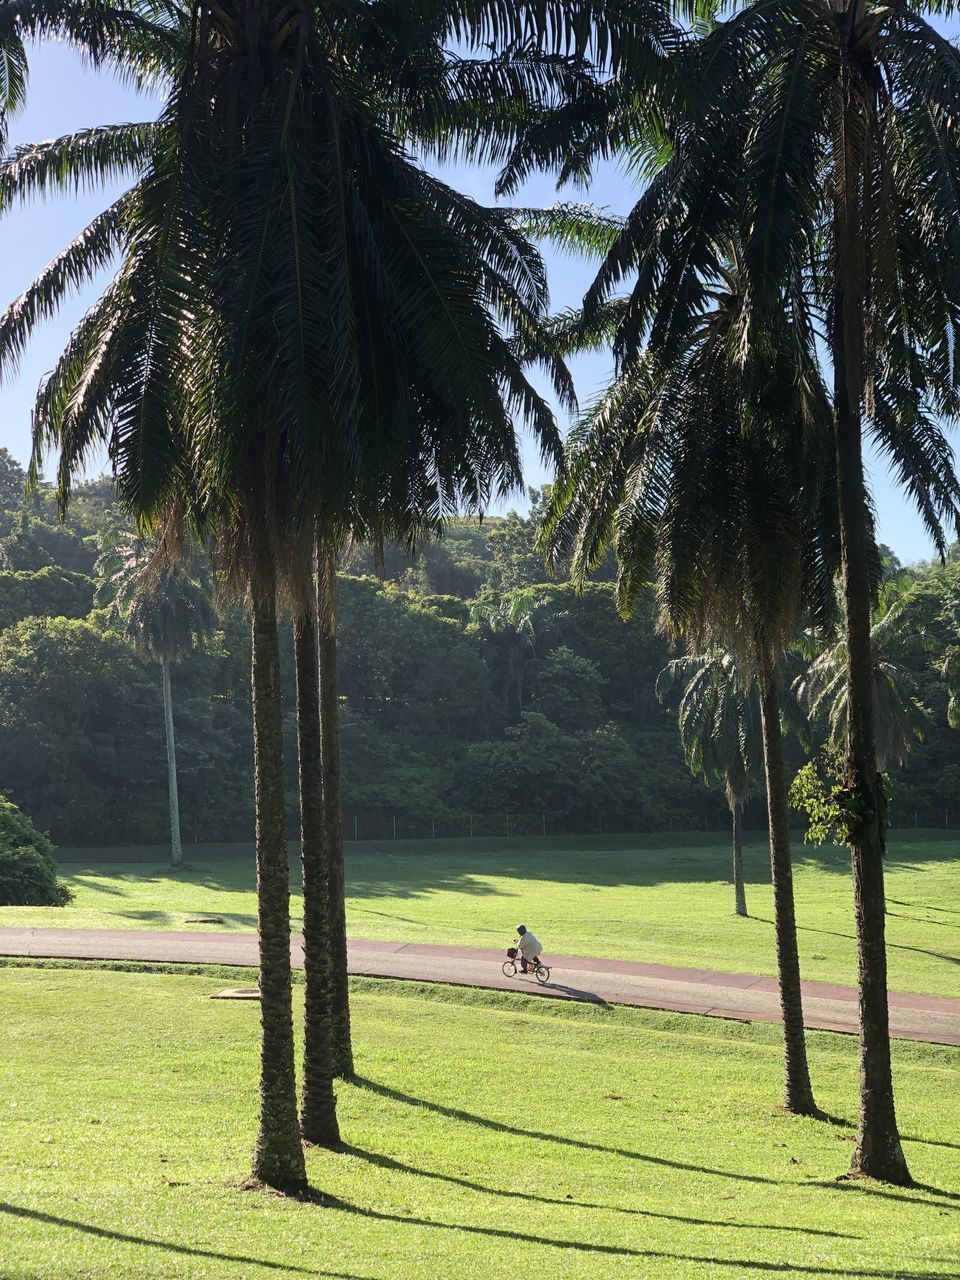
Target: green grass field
{"x": 662, "y": 899}
{"x": 128, "y": 1113}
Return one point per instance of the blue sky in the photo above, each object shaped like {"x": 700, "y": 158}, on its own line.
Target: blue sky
{"x": 66, "y": 96}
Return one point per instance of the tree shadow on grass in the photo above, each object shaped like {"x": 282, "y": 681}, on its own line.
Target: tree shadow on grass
{"x": 930, "y": 1142}
{"x": 625, "y": 1251}
{"x": 879, "y": 1191}
{"x": 104, "y": 1233}
{"x": 388, "y": 1162}
{"x": 455, "y": 1113}
{"x": 941, "y": 924}
{"x": 925, "y": 906}
{"x": 415, "y": 869}
{"x": 895, "y": 946}
{"x": 91, "y": 885}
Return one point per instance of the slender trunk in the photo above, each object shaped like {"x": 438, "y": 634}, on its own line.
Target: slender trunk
{"x": 278, "y": 1157}
{"x": 318, "y": 1115}
{"x": 878, "y": 1153}
{"x": 739, "y": 890}
{"x": 333, "y": 817}
{"x": 173, "y": 792}
{"x": 798, "y": 1093}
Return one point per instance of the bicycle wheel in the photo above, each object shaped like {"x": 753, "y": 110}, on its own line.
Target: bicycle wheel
{"x": 542, "y": 973}
{"x": 509, "y": 969}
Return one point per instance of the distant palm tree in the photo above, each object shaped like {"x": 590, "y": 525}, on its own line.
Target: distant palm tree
{"x": 164, "y": 610}
{"x": 900, "y": 718}
{"x": 718, "y": 718}
{"x": 709, "y": 477}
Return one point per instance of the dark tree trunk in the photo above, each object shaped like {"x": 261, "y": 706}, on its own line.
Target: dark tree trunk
{"x": 878, "y": 1153}
{"x": 739, "y": 890}
{"x": 318, "y": 1115}
{"x": 278, "y": 1158}
{"x": 333, "y": 818}
{"x": 798, "y": 1093}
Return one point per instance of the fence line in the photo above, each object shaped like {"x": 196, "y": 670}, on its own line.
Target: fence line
{"x": 545, "y": 822}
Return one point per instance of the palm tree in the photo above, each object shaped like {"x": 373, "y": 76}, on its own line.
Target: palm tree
{"x": 825, "y": 136}
{"x": 507, "y": 629}
{"x": 896, "y": 636}
{"x": 164, "y": 610}
{"x": 240, "y": 370}
{"x": 706, "y": 476}
{"x": 718, "y": 721}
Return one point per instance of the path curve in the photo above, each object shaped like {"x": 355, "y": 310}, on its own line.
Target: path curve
{"x": 721, "y": 995}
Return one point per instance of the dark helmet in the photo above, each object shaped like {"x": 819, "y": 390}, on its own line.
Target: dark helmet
{"x": 521, "y": 929}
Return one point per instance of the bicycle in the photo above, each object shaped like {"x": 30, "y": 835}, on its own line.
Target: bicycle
{"x": 511, "y": 967}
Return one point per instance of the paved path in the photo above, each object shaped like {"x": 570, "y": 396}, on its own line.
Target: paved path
{"x": 652, "y": 986}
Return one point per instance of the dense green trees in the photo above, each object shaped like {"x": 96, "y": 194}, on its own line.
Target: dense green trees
{"x": 405, "y": 658}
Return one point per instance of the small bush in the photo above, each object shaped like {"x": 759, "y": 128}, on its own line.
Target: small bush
{"x": 28, "y": 872}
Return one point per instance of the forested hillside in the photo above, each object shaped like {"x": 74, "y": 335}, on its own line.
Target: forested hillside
{"x": 475, "y": 694}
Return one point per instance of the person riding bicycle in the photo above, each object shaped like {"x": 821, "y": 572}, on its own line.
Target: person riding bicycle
{"x": 529, "y": 948}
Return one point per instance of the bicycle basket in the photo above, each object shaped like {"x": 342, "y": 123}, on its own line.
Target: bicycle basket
{"x": 512, "y": 952}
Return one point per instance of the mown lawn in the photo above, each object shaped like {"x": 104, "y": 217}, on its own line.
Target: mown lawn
{"x": 663, "y": 899}
{"x": 629, "y": 1144}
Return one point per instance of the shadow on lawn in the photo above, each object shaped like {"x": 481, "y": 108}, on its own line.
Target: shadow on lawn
{"x": 624, "y": 1251}
{"x": 388, "y": 1162}
{"x": 891, "y": 946}
{"x": 454, "y": 1113}
{"x": 925, "y": 906}
{"x": 103, "y": 1233}
{"x": 878, "y": 1191}
{"x": 414, "y": 869}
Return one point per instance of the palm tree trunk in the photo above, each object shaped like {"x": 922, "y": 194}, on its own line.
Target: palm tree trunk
{"x": 739, "y": 890}
{"x": 278, "y": 1157}
{"x": 798, "y": 1092}
{"x": 333, "y": 818}
{"x": 173, "y": 792}
{"x": 878, "y": 1153}
{"x": 318, "y": 1115}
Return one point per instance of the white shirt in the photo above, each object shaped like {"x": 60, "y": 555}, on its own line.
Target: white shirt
{"x": 529, "y": 947}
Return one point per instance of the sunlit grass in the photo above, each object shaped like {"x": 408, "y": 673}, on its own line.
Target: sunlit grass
{"x": 492, "y": 1136}
{"x": 661, "y": 899}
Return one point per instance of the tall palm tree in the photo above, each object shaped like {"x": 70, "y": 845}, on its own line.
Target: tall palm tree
{"x": 164, "y": 609}
{"x": 239, "y": 369}
{"x": 718, "y": 722}
{"x": 825, "y": 136}
{"x": 823, "y": 133}
{"x": 708, "y": 477}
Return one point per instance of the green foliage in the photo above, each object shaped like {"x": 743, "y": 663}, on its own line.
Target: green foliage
{"x": 28, "y": 873}
{"x": 33, "y": 544}
{"x": 568, "y": 689}
{"x": 12, "y": 481}
{"x": 898, "y": 635}
{"x": 834, "y": 811}
{"x": 451, "y": 704}
{"x": 45, "y": 593}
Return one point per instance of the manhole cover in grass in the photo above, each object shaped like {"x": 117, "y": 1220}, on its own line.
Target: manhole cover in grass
{"x": 204, "y": 920}
{"x": 237, "y": 993}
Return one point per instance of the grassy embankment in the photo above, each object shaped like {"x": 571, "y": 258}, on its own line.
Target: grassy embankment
{"x": 645, "y": 1144}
